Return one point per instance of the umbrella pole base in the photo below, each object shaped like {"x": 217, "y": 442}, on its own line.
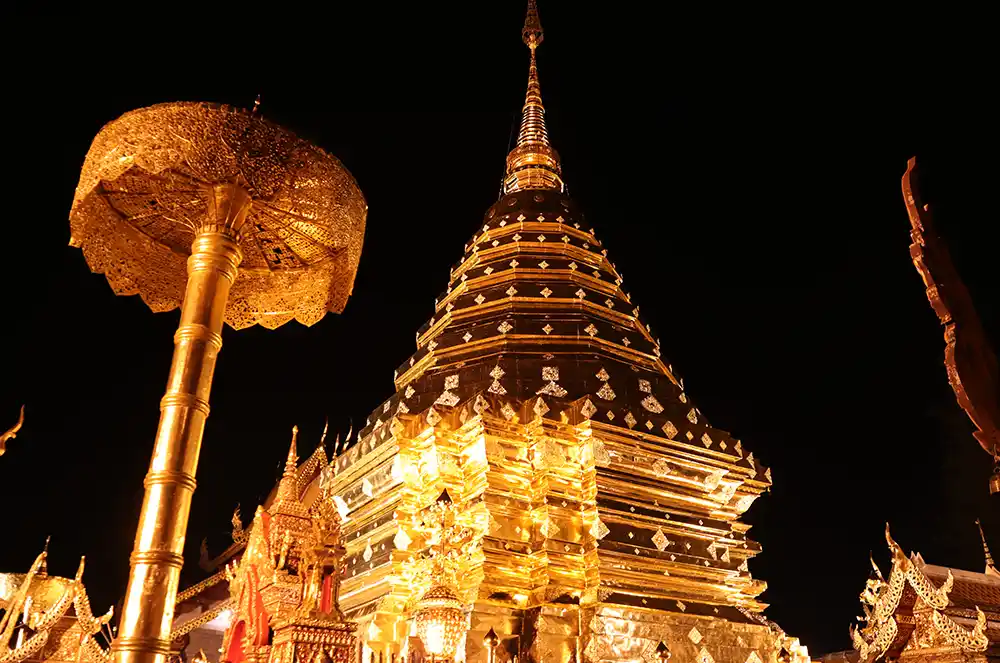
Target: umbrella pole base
{"x": 147, "y": 616}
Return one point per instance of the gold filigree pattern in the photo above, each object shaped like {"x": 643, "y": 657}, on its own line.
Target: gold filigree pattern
{"x": 145, "y": 190}
{"x": 974, "y": 641}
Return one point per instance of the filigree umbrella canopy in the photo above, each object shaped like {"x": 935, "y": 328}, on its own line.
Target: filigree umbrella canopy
{"x": 232, "y": 218}
{"x": 145, "y": 191}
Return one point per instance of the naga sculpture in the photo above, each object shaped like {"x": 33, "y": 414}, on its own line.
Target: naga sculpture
{"x": 12, "y": 433}
{"x": 970, "y": 361}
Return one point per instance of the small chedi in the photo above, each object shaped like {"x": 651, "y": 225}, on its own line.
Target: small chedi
{"x": 284, "y": 589}
{"x": 275, "y": 601}
{"x": 926, "y": 613}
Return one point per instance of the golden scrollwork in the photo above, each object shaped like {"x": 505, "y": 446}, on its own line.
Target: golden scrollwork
{"x": 974, "y": 641}
{"x": 880, "y": 601}
{"x": 45, "y": 619}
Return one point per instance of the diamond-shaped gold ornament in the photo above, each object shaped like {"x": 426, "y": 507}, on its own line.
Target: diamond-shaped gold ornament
{"x": 661, "y": 468}
{"x": 606, "y": 392}
{"x": 599, "y": 530}
{"x": 540, "y": 407}
{"x": 651, "y": 404}
{"x": 601, "y": 455}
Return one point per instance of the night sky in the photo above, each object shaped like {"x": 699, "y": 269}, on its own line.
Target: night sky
{"x": 746, "y": 182}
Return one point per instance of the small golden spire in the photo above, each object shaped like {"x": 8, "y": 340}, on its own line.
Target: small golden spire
{"x": 533, "y": 163}
{"x": 991, "y": 568}
{"x": 44, "y": 568}
{"x": 287, "y": 490}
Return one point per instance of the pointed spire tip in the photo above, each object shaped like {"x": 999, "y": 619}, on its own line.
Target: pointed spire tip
{"x": 986, "y": 548}
{"x": 532, "y": 34}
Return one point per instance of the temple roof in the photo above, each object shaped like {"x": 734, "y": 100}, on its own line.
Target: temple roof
{"x": 970, "y": 589}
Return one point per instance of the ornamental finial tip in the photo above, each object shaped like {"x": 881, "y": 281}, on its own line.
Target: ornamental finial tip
{"x": 532, "y": 34}
{"x": 293, "y": 455}
{"x": 533, "y": 163}
{"x": 986, "y": 548}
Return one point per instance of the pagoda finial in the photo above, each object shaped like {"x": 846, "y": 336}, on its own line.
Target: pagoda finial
{"x": 44, "y": 568}
{"x": 533, "y": 163}
{"x": 532, "y": 33}
{"x": 990, "y": 566}
{"x": 287, "y": 490}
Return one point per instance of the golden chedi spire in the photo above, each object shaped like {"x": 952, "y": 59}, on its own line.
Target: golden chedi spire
{"x": 991, "y": 568}
{"x": 533, "y": 163}
{"x": 288, "y": 486}
{"x": 593, "y": 486}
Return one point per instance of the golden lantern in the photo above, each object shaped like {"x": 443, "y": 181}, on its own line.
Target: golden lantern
{"x": 440, "y": 621}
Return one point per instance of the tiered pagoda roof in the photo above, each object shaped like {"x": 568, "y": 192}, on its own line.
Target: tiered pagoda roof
{"x": 540, "y": 399}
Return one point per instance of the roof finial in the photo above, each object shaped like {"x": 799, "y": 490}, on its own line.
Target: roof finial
{"x": 990, "y": 566}
{"x": 532, "y": 32}
{"x": 286, "y": 488}
{"x": 533, "y": 164}
{"x": 44, "y": 568}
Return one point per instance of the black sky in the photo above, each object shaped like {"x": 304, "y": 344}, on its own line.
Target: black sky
{"x": 745, "y": 179}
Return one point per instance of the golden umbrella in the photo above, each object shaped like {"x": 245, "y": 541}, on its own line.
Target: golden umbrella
{"x": 233, "y": 219}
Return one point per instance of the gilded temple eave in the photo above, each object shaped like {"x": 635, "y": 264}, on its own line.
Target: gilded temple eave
{"x": 922, "y": 612}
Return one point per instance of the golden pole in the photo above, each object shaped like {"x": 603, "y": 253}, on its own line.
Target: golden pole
{"x": 148, "y": 612}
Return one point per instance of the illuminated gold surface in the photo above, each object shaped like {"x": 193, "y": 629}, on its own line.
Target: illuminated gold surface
{"x": 157, "y": 558}
{"x": 533, "y": 163}
{"x": 11, "y": 432}
{"x": 932, "y": 626}
{"x": 144, "y": 193}
{"x": 272, "y": 227}
{"x": 53, "y": 618}
{"x": 603, "y": 509}
{"x": 288, "y": 582}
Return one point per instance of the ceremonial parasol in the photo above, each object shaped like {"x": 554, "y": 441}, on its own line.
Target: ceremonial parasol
{"x": 234, "y": 219}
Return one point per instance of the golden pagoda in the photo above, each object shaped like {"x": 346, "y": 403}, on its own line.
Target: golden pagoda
{"x": 604, "y": 509}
